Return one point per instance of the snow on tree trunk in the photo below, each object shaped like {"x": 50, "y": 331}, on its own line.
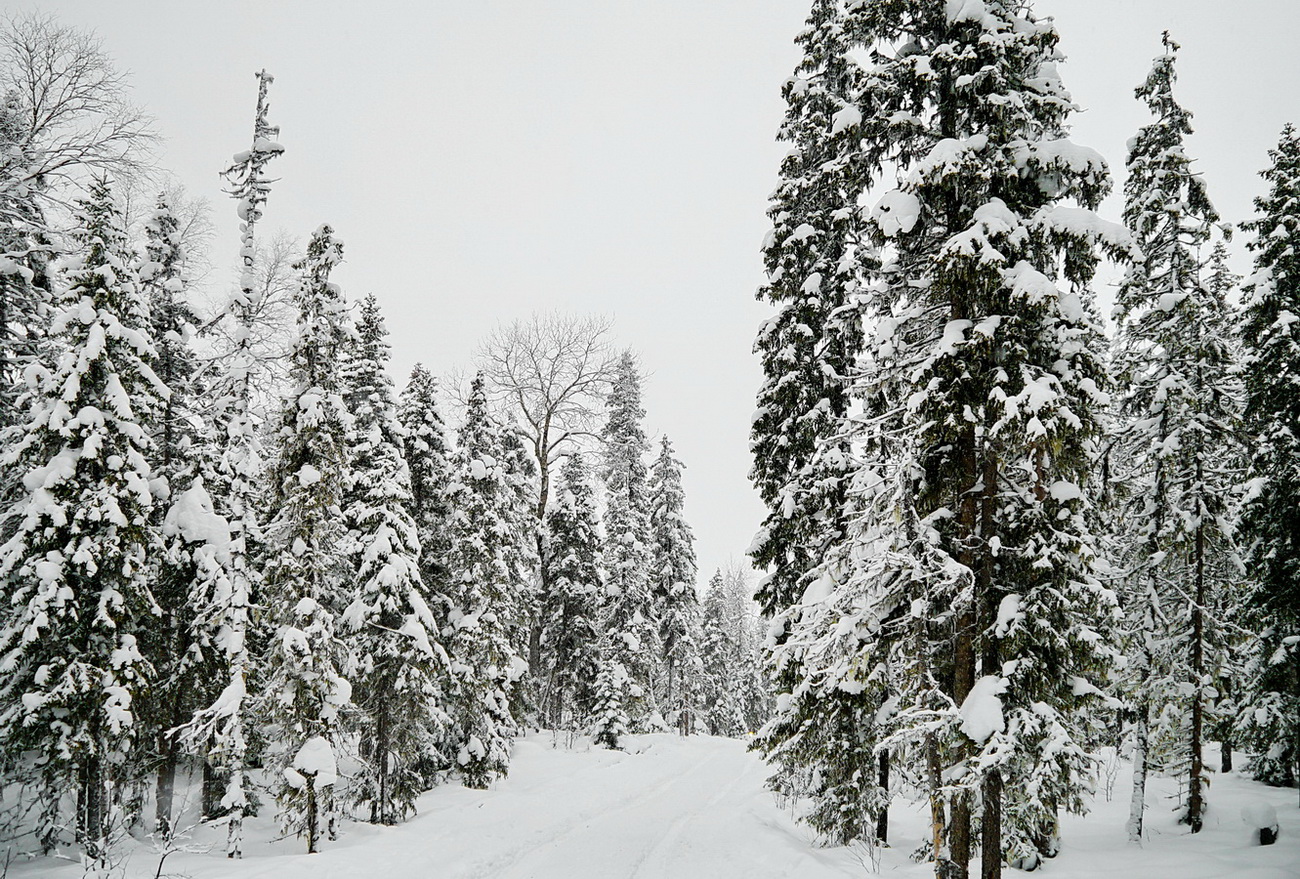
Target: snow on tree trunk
{"x": 223, "y": 597}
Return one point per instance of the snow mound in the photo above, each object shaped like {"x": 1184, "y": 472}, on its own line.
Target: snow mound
{"x": 981, "y": 712}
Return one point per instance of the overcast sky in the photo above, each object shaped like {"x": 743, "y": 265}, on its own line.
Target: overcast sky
{"x": 483, "y": 159}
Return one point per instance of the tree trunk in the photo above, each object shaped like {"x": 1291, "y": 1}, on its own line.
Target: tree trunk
{"x": 380, "y": 809}
{"x": 944, "y": 868}
{"x": 212, "y": 792}
{"x": 1225, "y": 743}
{"x": 991, "y": 824}
{"x": 90, "y": 827}
{"x": 169, "y": 750}
{"x": 882, "y": 817}
{"x": 331, "y": 814}
{"x": 166, "y": 787}
{"x": 235, "y": 830}
{"x": 1138, "y": 803}
{"x": 311, "y": 812}
{"x": 1195, "y": 796}
{"x": 963, "y": 676}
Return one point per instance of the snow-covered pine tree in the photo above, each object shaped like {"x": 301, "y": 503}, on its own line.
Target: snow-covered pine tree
{"x": 390, "y": 628}
{"x": 571, "y": 633}
{"x": 428, "y": 459}
{"x": 629, "y": 620}
{"x": 1270, "y": 716}
{"x": 733, "y": 692}
{"x": 75, "y": 570}
{"x": 672, "y": 587}
{"x": 182, "y": 453}
{"x": 224, "y": 603}
{"x": 485, "y": 591}
{"x": 1180, "y": 400}
{"x": 980, "y": 392}
{"x": 308, "y": 579}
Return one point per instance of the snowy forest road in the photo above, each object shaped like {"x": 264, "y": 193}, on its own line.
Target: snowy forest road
{"x": 668, "y": 809}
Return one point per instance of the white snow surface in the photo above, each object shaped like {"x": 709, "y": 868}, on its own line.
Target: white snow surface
{"x": 673, "y": 808}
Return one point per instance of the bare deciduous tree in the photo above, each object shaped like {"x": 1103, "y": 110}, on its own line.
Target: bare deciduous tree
{"x": 74, "y": 117}
{"x": 552, "y": 371}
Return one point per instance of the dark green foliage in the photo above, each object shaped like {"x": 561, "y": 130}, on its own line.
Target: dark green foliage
{"x": 672, "y": 590}
{"x": 1270, "y": 529}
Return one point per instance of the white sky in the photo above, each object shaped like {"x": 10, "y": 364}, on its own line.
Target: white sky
{"x": 483, "y": 159}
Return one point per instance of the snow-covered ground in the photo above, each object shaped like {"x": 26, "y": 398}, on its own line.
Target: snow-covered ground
{"x": 696, "y": 808}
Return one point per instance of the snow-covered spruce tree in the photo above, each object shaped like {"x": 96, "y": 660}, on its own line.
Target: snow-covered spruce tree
{"x": 428, "y": 458}
{"x": 74, "y": 571}
{"x": 486, "y": 594}
{"x": 1180, "y": 404}
{"x": 980, "y": 392}
{"x": 520, "y": 552}
{"x": 672, "y": 586}
{"x": 807, "y": 348}
{"x": 224, "y": 607}
{"x": 733, "y": 696}
{"x": 182, "y": 453}
{"x": 609, "y": 721}
{"x": 571, "y": 633}
{"x": 1226, "y": 654}
{"x": 308, "y": 576}
{"x": 389, "y": 625}
{"x": 1270, "y": 717}
{"x": 720, "y": 659}
{"x": 629, "y": 619}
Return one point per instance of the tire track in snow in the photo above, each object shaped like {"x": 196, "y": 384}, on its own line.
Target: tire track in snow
{"x": 666, "y": 843}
